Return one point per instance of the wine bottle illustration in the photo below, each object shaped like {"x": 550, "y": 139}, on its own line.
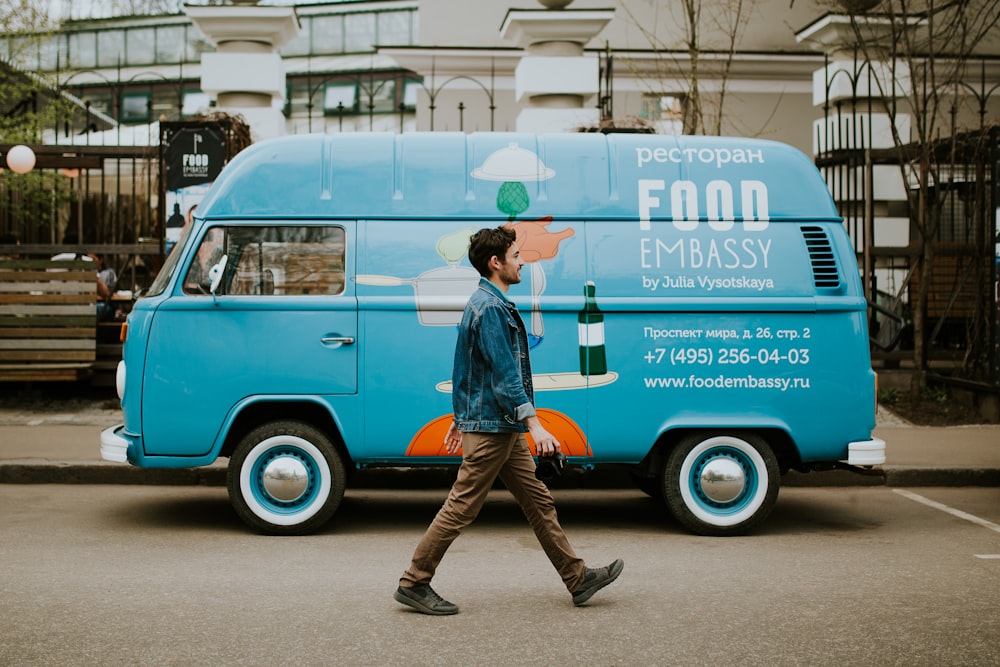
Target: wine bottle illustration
{"x": 593, "y": 360}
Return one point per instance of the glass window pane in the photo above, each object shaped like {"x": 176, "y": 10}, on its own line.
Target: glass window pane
{"x": 83, "y": 49}
{"x": 209, "y": 253}
{"x": 24, "y": 52}
{"x": 139, "y": 46}
{"x": 327, "y": 34}
{"x": 99, "y": 101}
{"x": 359, "y": 32}
{"x": 378, "y": 95}
{"x": 298, "y": 98}
{"x": 53, "y": 53}
{"x": 135, "y": 108}
{"x": 165, "y": 103}
{"x": 336, "y": 95}
{"x": 410, "y": 91}
{"x": 169, "y": 44}
{"x": 110, "y": 48}
{"x": 394, "y": 28}
{"x": 272, "y": 261}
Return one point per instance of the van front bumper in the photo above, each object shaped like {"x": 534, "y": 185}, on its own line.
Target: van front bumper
{"x": 866, "y": 452}
{"x": 113, "y": 446}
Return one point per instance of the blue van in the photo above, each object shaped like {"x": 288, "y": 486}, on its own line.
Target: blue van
{"x": 693, "y": 304}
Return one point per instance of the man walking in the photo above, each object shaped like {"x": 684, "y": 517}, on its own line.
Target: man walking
{"x": 493, "y": 402}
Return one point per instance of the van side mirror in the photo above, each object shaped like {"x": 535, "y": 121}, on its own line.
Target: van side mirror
{"x": 216, "y": 272}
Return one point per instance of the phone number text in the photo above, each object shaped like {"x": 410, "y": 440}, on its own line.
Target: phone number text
{"x": 706, "y": 356}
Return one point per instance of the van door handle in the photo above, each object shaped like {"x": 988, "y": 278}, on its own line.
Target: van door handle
{"x": 344, "y": 340}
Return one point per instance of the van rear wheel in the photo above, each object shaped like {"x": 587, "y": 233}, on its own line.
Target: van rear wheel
{"x": 721, "y": 483}
{"x": 285, "y": 478}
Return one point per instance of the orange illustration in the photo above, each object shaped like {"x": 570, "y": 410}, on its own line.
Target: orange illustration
{"x": 535, "y": 241}
{"x": 429, "y": 440}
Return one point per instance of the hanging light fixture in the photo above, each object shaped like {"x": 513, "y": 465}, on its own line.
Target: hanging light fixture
{"x": 21, "y": 159}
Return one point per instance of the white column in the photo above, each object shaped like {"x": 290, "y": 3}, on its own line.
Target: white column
{"x": 555, "y": 79}
{"x": 246, "y": 75}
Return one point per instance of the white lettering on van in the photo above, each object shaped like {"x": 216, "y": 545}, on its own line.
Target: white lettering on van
{"x": 719, "y": 156}
{"x": 647, "y": 200}
{"x": 693, "y": 253}
{"x": 720, "y": 200}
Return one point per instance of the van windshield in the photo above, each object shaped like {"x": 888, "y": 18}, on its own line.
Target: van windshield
{"x": 169, "y": 266}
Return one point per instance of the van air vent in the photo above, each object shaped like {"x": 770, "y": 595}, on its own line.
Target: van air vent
{"x": 824, "y": 264}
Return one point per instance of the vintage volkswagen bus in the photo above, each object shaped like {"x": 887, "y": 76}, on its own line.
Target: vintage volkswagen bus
{"x": 693, "y": 304}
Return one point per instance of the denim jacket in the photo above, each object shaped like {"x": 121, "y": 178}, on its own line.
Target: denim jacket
{"x": 491, "y": 380}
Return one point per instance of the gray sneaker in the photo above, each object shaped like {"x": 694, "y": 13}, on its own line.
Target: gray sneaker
{"x": 423, "y": 598}
{"x": 597, "y": 579}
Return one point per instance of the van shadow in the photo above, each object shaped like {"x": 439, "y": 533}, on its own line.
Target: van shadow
{"x": 204, "y": 512}
{"x": 374, "y": 511}
{"x": 366, "y": 511}
{"x": 813, "y": 516}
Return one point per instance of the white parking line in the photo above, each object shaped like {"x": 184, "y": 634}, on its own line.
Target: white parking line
{"x": 988, "y": 556}
{"x": 950, "y": 510}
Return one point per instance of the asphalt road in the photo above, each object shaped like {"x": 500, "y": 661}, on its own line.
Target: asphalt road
{"x": 134, "y": 575}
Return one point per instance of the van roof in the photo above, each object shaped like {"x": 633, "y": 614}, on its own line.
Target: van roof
{"x": 498, "y": 176}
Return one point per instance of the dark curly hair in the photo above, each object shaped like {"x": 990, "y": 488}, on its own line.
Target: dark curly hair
{"x": 486, "y": 243}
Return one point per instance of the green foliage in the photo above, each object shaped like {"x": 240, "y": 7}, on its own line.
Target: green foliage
{"x": 936, "y": 394}
{"x": 889, "y": 396}
{"x": 31, "y": 203}
{"x": 29, "y": 101}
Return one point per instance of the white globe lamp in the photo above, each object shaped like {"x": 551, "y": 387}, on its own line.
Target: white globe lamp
{"x": 21, "y": 159}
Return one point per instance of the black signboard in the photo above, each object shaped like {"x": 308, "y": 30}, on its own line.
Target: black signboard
{"x": 194, "y": 155}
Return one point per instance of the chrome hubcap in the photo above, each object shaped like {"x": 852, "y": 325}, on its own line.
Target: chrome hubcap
{"x": 722, "y": 480}
{"x": 285, "y": 478}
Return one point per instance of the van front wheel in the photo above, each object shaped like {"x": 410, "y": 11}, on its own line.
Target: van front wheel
{"x": 285, "y": 478}
{"x": 721, "y": 484}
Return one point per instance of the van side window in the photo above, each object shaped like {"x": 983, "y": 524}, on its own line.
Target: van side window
{"x": 209, "y": 252}
{"x": 273, "y": 261}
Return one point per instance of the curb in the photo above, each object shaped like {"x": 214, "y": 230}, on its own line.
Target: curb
{"x": 48, "y": 472}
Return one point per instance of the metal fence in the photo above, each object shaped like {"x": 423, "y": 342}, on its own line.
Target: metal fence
{"x": 962, "y": 248}
{"x": 100, "y": 199}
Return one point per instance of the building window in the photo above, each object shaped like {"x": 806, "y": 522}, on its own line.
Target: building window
{"x": 378, "y": 96}
{"x": 98, "y": 100}
{"x": 166, "y": 104}
{"x": 953, "y": 205}
{"x": 410, "y": 91}
{"x": 110, "y": 48}
{"x": 83, "y": 50}
{"x": 140, "y": 46}
{"x": 394, "y": 27}
{"x": 135, "y": 108}
{"x": 340, "y": 98}
{"x": 170, "y": 42}
{"x": 52, "y": 53}
{"x": 327, "y": 34}
{"x": 297, "y": 99}
{"x": 665, "y": 112}
{"x": 359, "y": 32}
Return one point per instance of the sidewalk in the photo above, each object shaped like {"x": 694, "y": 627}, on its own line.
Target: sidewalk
{"x": 64, "y": 448}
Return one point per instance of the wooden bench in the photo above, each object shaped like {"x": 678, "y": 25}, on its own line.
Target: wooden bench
{"x": 48, "y": 319}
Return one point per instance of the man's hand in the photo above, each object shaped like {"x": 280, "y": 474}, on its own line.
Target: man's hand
{"x": 545, "y": 443}
{"x": 453, "y": 440}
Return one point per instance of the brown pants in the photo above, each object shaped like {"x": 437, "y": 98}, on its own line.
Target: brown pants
{"x": 485, "y": 456}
